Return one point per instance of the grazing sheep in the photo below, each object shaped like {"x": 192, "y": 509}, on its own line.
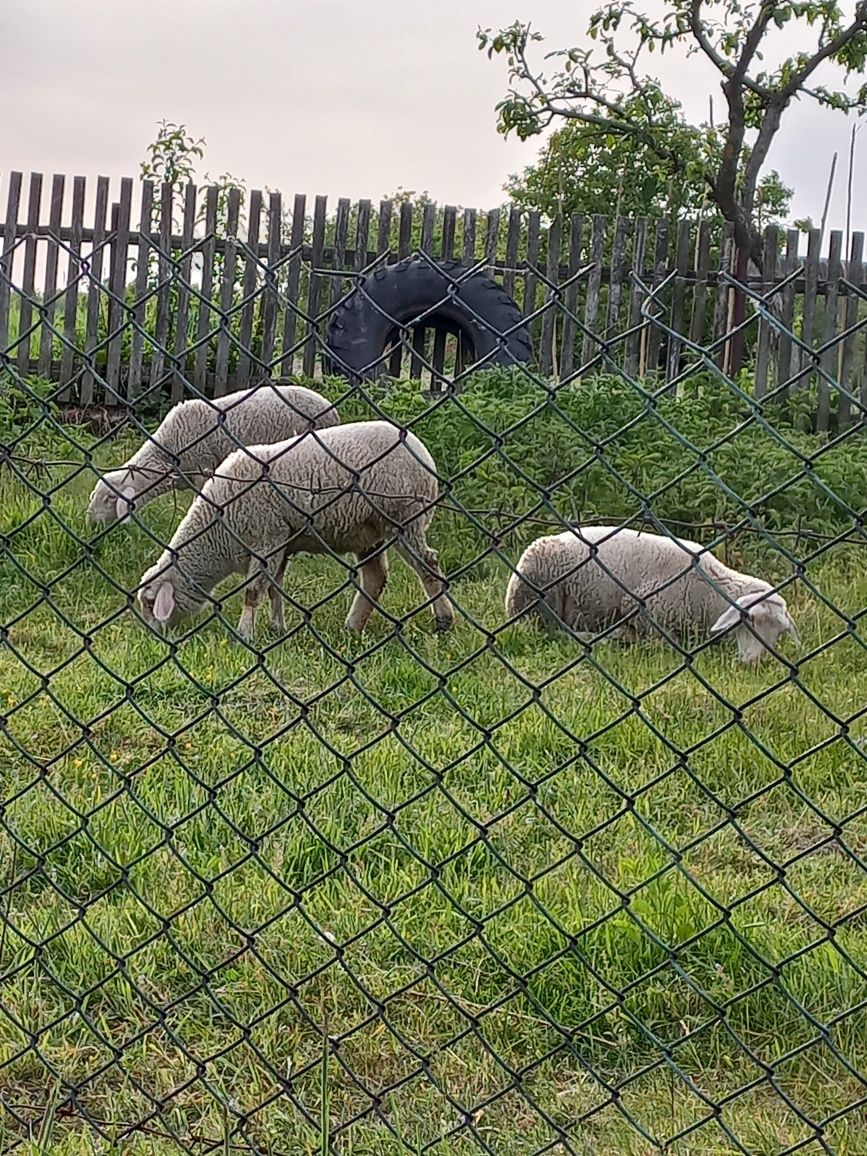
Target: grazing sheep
{"x": 195, "y": 436}
{"x": 339, "y": 490}
{"x": 670, "y": 576}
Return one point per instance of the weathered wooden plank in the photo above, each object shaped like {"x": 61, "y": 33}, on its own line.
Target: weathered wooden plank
{"x": 420, "y": 333}
{"x": 139, "y": 309}
{"x": 447, "y": 252}
{"x": 660, "y": 269}
{"x": 468, "y": 241}
{"x": 117, "y": 313}
{"x": 204, "y": 321}
{"x": 567, "y": 351}
{"x": 530, "y": 279}
{"x": 163, "y": 323}
{"x": 94, "y": 291}
{"x": 617, "y": 276}
{"x": 314, "y": 295}
{"x": 270, "y": 298}
{"x": 49, "y": 295}
{"x": 699, "y": 298}
{"x": 763, "y": 342}
{"x": 28, "y": 280}
{"x": 854, "y": 275}
{"x": 513, "y": 244}
{"x": 589, "y": 346}
{"x": 829, "y": 329}
{"x": 182, "y": 318}
{"x": 636, "y": 295}
{"x": 723, "y": 294}
{"x": 492, "y": 235}
{"x": 227, "y": 293}
{"x": 383, "y": 231}
{"x": 293, "y": 282}
{"x": 338, "y": 252}
{"x": 246, "y": 353}
{"x": 547, "y": 354}
{"x": 811, "y": 282}
{"x": 787, "y": 311}
{"x": 70, "y": 300}
{"x": 678, "y": 307}
{"x": 7, "y": 257}
{"x": 404, "y": 248}
{"x": 362, "y": 236}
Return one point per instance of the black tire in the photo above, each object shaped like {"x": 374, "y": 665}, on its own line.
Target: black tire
{"x": 415, "y": 292}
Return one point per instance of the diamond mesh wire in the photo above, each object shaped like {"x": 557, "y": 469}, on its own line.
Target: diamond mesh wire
{"x": 499, "y": 890}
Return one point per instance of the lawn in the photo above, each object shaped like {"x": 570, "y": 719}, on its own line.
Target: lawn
{"x": 531, "y": 893}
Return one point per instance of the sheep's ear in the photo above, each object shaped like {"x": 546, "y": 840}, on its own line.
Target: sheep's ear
{"x": 164, "y": 603}
{"x": 729, "y": 618}
{"x": 121, "y": 509}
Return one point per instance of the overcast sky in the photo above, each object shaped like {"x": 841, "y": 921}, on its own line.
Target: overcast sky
{"x": 344, "y": 97}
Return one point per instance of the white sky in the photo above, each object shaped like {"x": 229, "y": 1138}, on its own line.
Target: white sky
{"x": 320, "y": 96}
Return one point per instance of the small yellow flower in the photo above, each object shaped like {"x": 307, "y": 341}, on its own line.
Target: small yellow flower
{"x": 77, "y": 762}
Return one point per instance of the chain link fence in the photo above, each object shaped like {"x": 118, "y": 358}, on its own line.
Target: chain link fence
{"x": 497, "y": 888}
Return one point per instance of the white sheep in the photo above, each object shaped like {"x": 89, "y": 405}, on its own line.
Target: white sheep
{"x": 596, "y": 578}
{"x": 356, "y": 488}
{"x": 196, "y": 435}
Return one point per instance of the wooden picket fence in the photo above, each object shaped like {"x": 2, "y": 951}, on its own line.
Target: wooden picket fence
{"x": 216, "y": 287}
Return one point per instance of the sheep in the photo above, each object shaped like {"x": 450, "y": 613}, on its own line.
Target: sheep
{"x": 195, "y": 436}
{"x": 338, "y": 490}
{"x": 670, "y": 576}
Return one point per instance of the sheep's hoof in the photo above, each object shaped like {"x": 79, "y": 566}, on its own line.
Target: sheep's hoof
{"x": 354, "y": 626}
{"x": 444, "y": 625}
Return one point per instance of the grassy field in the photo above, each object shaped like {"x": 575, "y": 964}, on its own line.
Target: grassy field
{"x": 527, "y": 891}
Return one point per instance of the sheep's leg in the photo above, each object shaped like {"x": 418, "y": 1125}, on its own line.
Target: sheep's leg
{"x": 278, "y": 622}
{"x": 421, "y": 558}
{"x": 372, "y": 574}
{"x": 257, "y": 581}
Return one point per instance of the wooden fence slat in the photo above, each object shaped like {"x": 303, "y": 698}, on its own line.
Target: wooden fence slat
{"x": 163, "y": 326}
{"x": 548, "y": 360}
{"x": 227, "y": 294}
{"x": 492, "y": 235}
{"x": 313, "y": 298}
{"x": 787, "y": 311}
{"x": 8, "y": 256}
{"x": 854, "y": 275}
{"x": 811, "y": 286}
{"x": 616, "y": 277}
{"x": 513, "y": 241}
{"x": 293, "y": 283}
{"x": 829, "y": 328}
{"x": 182, "y": 326}
{"x": 117, "y": 315}
{"x": 49, "y": 295}
{"x": 699, "y": 297}
{"x": 660, "y": 269}
{"x": 763, "y": 343}
{"x": 468, "y": 257}
{"x": 420, "y": 333}
{"x": 28, "y": 283}
{"x": 404, "y": 248}
{"x": 636, "y": 295}
{"x": 530, "y": 279}
{"x": 94, "y": 291}
{"x": 383, "y": 231}
{"x": 270, "y": 293}
{"x": 447, "y": 251}
{"x": 362, "y": 236}
{"x": 139, "y": 308}
{"x": 678, "y": 308}
{"x": 70, "y": 300}
{"x": 723, "y": 293}
{"x": 338, "y": 252}
{"x": 567, "y": 351}
{"x": 248, "y": 292}
{"x": 203, "y": 325}
{"x": 594, "y": 283}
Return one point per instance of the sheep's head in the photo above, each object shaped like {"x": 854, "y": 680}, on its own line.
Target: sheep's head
{"x": 110, "y": 498}
{"x": 769, "y": 618}
{"x": 164, "y": 597}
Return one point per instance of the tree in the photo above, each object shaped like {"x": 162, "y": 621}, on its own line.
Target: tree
{"x": 608, "y": 91}
{"x": 584, "y": 170}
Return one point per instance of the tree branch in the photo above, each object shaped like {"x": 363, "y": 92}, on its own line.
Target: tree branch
{"x": 796, "y": 82}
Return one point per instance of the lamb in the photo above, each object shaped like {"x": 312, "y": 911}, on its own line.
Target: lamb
{"x": 359, "y": 488}
{"x": 195, "y": 436}
{"x": 672, "y": 577}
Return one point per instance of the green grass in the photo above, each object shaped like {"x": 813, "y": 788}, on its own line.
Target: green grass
{"x": 207, "y": 855}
